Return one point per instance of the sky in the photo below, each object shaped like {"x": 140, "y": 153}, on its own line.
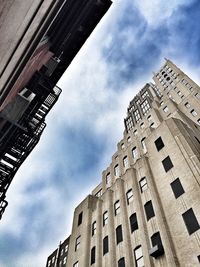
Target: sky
{"x": 85, "y": 125}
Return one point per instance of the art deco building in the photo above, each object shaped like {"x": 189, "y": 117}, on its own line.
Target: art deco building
{"x": 38, "y": 41}
{"x": 145, "y": 212}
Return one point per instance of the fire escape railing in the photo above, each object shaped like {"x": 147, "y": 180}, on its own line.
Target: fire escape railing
{"x": 17, "y": 140}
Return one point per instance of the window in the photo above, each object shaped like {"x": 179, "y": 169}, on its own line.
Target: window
{"x": 133, "y": 222}
{"x": 149, "y": 210}
{"x": 177, "y": 188}
{"x": 60, "y": 263}
{"x": 134, "y": 152}
{"x": 125, "y": 161}
{"x": 149, "y": 118}
{"x": 145, "y": 94}
{"x": 179, "y": 93}
{"x": 197, "y": 95}
{"x": 143, "y": 184}
{"x": 66, "y": 248}
{"x": 80, "y": 218}
{"x": 119, "y": 236}
{"x": 145, "y": 107}
{"x": 142, "y": 125}
{"x": 138, "y": 102}
{"x": 105, "y": 245}
{"x": 129, "y": 139}
{"x": 116, "y": 170}
{"x": 187, "y": 105}
{"x": 190, "y": 221}
{"x": 139, "y": 257}
{"x": 157, "y": 247}
{"x": 93, "y": 255}
{"x": 62, "y": 250}
{"x": 64, "y": 260}
{"x": 198, "y": 257}
{"x": 117, "y": 207}
{"x": 99, "y": 193}
{"x": 193, "y": 112}
{"x": 156, "y": 239}
{"x": 143, "y": 144}
{"x": 197, "y": 139}
{"x": 53, "y": 259}
{"x": 137, "y": 115}
{"x": 167, "y": 164}
{"x": 49, "y": 263}
{"x": 165, "y": 109}
{"x": 77, "y": 244}
{"x": 26, "y": 93}
{"x": 129, "y": 196}
{"x": 108, "y": 179}
{"x": 105, "y": 218}
{"x": 135, "y": 132}
{"x": 75, "y": 264}
{"x": 94, "y": 228}
{"x": 129, "y": 124}
{"x": 121, "y": 262}
{"x": 122, "y": 146}
{"x": 159, "y": 143}
{"x": 198, "y": 121}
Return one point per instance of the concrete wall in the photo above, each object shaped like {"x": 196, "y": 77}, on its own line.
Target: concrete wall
{"x": 180, "y": 135}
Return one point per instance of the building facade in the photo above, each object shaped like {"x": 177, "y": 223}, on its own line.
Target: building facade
{"x": 145, "y": 212}
{"x": 41, "y": 40}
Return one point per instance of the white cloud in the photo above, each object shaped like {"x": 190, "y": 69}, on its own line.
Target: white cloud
{"x": 157, "y": 11}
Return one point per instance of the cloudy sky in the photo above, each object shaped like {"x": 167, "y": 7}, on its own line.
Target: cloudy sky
{"x": 84, "y": 127}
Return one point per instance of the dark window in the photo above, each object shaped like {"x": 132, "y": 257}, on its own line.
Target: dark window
{"x": 94, "y": 228}
{"x": 27, "y": 93}
{"x": 80, "y": 218}
{"x": 121, "y": 262}
{"x": 105, "y": 218}
{"x": 93, "y": 255}
{"x": 119, "y": 236}
{"x": 105, "y": 245}
{"x": 177, "y": 188}
{"x": 198, "y": 257}
{"x": 149, "y": 210}
{"x": 167, "y": 164}
{"x": 156, "y": 239}
{"x": 190, "y": 221}
{"x": 157, "y": 249}
{"x": 133, "y": 222}
{"x": 159, "y": 143}
{"x": 197, "y": 139}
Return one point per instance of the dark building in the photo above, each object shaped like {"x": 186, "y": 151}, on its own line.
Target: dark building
{"x": 59, "y": 257}
{"x": 30, "y": 90}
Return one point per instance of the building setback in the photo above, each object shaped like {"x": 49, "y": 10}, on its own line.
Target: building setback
{"x": 39, "y": 45}
{"x": 145, "y": 212}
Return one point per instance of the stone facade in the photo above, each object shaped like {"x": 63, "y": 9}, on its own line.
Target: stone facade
{"x": 145, "y": 212}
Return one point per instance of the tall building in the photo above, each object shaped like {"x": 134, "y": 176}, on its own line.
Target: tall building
{"x": 41, "y": 39}
{"x": 145, "y": 212}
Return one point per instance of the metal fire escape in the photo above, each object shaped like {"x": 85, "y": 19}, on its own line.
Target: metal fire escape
{"x": 19, "y": 136}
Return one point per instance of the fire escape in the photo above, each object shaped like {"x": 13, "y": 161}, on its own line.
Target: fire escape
{"x": 19, "y": 133}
